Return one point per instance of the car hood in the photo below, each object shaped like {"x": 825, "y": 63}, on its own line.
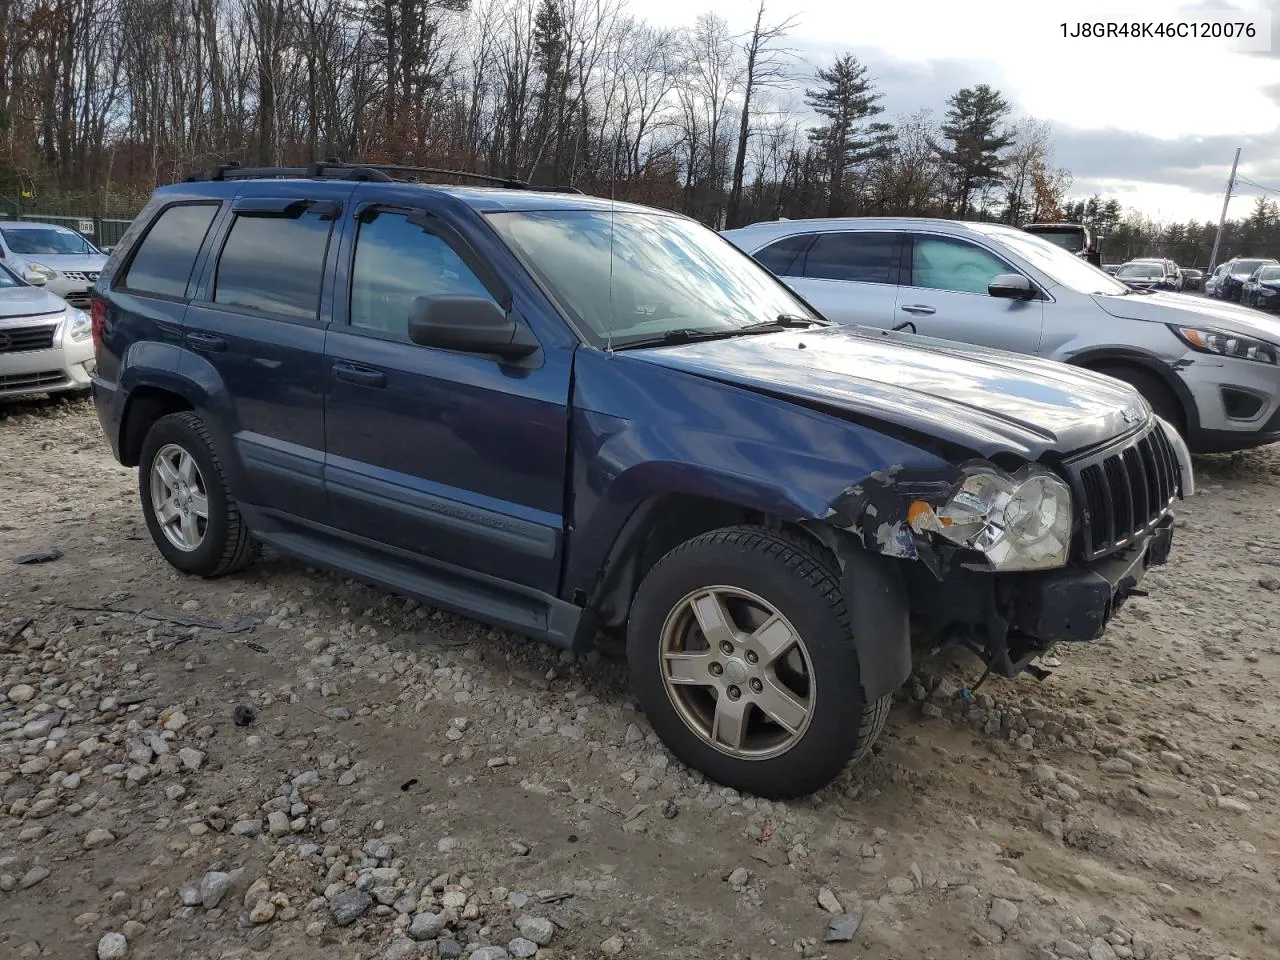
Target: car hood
{"x": 1187, "y": 311}
{"x": 986, "y": 402}
{"x": 29, "y": 302}
{"x": 67, "y": 261}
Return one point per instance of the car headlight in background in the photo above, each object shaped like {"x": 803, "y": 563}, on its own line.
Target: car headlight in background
{"x": 47, "y": 272}
{"x": 1226, "y": 344}
{"x": 1018, "y": 522}
{"x": 79, "y": 325}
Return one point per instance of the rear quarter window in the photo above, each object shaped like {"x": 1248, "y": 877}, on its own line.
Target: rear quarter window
{"x": 162, "y": 266}
{"x": 781, "y": 256}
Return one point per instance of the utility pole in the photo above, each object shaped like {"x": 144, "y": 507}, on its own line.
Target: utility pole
{"x": 1217, "y": 239}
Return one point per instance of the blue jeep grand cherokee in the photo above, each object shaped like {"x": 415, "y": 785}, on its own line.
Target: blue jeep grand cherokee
{"x": 567, "y": 417}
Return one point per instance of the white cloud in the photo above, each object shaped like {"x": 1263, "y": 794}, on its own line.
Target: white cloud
{"x": 1189, "y": 102}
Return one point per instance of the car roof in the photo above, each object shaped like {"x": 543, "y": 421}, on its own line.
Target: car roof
{"x": 481, "y": 199}
{"x": 769, "y": 229}
{"x": 34, "y": 225}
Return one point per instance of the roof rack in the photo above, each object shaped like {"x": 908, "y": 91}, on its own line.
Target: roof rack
{"x": 374, "y": 172}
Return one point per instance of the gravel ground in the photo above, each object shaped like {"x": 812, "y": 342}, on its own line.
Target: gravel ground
{"x": 286, "y": 764}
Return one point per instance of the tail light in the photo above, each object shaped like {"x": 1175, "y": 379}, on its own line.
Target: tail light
{"x": 98, "y": 314}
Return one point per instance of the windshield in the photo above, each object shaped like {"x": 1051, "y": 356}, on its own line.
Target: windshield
{"x": 1063, "y": 267}
{"x": 1072, "y": 240}
{"x": 8, "y": 280}
{"x": 1141, "y": 271}
{"x": 1243, "y": 268}
{"x": 660, "y": 273}
{"x": 29, "y": 241}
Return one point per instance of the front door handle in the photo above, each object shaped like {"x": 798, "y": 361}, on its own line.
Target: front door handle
{"x": 206, "y": 341}
{"x": 919, "y": 309}
{"x": 360, "y": 376}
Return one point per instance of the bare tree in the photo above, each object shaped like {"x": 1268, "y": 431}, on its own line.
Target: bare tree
{"x": 765, "y": 66}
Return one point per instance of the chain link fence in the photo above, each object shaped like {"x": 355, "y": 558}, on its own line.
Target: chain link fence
{"x": 103, "y": 228}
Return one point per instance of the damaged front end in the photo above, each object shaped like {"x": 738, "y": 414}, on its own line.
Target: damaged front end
{"x": 991, "y": 558}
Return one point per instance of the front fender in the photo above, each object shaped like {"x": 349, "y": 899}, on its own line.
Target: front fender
{"x": 641, "y": 432}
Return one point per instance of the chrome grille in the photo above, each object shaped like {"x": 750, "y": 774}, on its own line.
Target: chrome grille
{"x": 21, "y": 339}
{"x": 78, "y": 299}
{"x": 1124, "y": 490}
{"x": 82, "y": 276}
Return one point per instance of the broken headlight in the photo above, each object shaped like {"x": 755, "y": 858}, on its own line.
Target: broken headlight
{"x": 1018, "y": 522}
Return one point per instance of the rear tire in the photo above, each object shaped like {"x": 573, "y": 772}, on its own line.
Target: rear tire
{"x": 192, "y": 517}
{"x": 715, "y": 696}
{"x": 1154, "y": 391}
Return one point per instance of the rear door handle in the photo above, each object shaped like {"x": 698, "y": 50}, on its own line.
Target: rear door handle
{"x": 360, "y": 376}
{"x": 206, "y": 341}
{"x": 919, "y": 309}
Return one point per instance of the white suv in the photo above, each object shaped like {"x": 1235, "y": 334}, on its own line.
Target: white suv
{"x": 46, "y": 345}
{"x": 68, "y": 262}
{"x": 1211, "y": 368}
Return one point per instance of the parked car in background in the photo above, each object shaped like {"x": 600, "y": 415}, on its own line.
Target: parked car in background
{"x": 1262, "y": 289}
{"x": 1110, "y": 268}
{"x": 564, "y": 415}
{"x": 1237, "y": 271}
{"x": 1192, "y": 279}
{"x": 1150, "y": 275}
{"x": 68, "y": 262}
{"x": 1208, "y": 367}
{"x": 46, "y": 346}
{"x": 1213, "y": 279}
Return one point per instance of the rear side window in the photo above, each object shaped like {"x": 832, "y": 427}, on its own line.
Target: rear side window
{"x": 396, "y": 263}
{"x": 274, "y": 265}
{"x": 780, "y": 256}
{"x": 163, "y": 263}
{"x": 865, "y": 257}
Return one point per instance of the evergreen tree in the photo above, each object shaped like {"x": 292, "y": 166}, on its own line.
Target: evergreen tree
{"x": 847, "y": 99}
{"x": 974, "y": 128}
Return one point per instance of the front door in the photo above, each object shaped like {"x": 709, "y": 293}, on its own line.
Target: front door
{"x": 455, "y": 457}
{"x": 945, "y": 295}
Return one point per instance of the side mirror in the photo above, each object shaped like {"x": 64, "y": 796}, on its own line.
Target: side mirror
{"x": 1011, "y": 286}
{"x": 35, "y": 279}
{"x": 471, "y": 325}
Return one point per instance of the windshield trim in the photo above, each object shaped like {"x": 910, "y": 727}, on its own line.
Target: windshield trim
{"x": 570, "y": 315}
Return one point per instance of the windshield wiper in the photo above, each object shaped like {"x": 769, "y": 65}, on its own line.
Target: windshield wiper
{"x": 689, "y": 335}
{"x": 682, "y": 335}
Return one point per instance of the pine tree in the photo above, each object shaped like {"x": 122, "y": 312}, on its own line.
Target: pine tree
{"x": 974, "y": 127}
{"x": 847, "y": 99}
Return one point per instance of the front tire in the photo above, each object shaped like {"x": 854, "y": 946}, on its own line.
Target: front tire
{"x": 1154, "y": 391}
{"x": 742, "y": 658}
{"x": 189, "y": 510}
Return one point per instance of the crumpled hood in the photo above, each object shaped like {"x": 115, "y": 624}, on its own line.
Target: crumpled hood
{"x": 29, "y": 302}
{"x": 1188, "y": 311}
{"x": 984, "y": 401}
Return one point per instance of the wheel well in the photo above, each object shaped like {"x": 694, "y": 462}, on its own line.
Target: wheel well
{"x": 1102, "y": 364}
{"x": 146, "y": 405}
{"x": 654, "y": 529}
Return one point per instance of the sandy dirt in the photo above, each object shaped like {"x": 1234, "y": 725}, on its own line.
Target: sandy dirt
{"x": 415, "y": 784}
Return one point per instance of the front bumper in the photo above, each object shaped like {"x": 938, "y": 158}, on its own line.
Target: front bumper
{"x": 65, "y": 366}
{"x": 1076, "y": 603}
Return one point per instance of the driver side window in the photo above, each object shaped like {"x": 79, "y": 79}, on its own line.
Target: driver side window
{"x": 396, "y": 263}
{"x": 944, "y": 263}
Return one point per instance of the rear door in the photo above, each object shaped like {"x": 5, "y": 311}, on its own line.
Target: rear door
{"x": 945, "y": 295}
{"x": 255, "y": 334}
{"x": 455, "y": 457}
{"x": 850, "y": 276}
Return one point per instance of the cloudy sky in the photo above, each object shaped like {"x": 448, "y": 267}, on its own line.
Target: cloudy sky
{"x": 1152, "y": 122}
